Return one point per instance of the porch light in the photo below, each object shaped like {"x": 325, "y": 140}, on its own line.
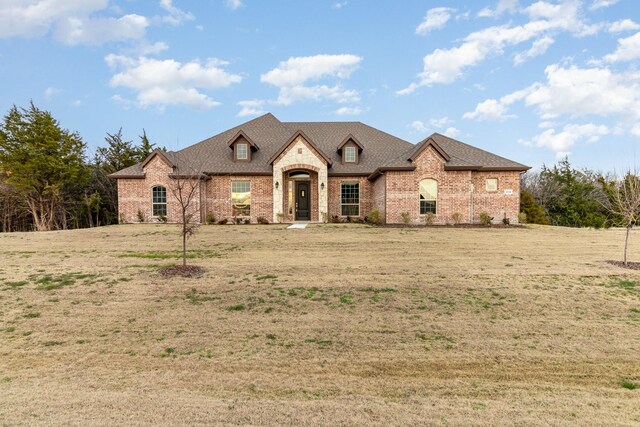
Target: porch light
{"x": 322, "y": 186}
{"x": 277, "y": 185}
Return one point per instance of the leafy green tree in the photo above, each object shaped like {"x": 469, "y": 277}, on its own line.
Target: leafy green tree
{"x": 535, "y": 213}
{"x": 43, "y": 162}
{"x": 117, "y": 154}
{"x": 576, "y": 200}
{"x": 145, "y": 148}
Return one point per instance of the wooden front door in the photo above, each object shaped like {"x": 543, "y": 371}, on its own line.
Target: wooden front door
{"x": 303, "y": 201}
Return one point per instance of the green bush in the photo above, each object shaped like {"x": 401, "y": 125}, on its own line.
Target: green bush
{"x": 162, "y": 218}
{"x": 211, "y": 218}
{"x": 522, "y": 218}
{"x": 456, "y": 217}
{"x": 140, "y": 216}
{"x": 485, "y": 219}
{"x": 406, "y": 218}
{"x": 374, "y": 217}
{"x": 429, "y": 218}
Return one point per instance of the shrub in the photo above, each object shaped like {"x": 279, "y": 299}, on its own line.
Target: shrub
{"x": 429, "y": 218}
{"x": 262, "y": 220}
{"x": 374, "y": 217}
{"x": 485, "y": 219}
{"x": 246, "y": 221}
{"x": 211, "y": 218}
{"x": 325, "y": 217}
{"x": 140, "y": 216}
{"x": 222, "y": 221}
{"x": 349, "y": 219}
{"x": 406, "y": 218}
{"x": 456, "y": 217}
{"x": 237, "y": 220}
{"x": 335, "y": 219}
{"x": 280, "y": 217}
{"x": 162, "y": 218}
{"x": 505, "y": 220}
{"x": 522, "y": 218}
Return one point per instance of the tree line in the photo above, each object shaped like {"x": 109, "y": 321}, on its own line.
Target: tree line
{"x": 46, "y": 180}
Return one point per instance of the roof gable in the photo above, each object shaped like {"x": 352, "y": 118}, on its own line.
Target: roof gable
{"x": 241, "y": 134}
{"x": 291, "y": 140}
{"x": 161, "y": 154}
{"x": 346, "y": 140}
{"x": 429, "y": 142}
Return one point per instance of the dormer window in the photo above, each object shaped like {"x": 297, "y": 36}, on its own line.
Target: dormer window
{"x": 242, "y": 147}
{"x": 350, "y": 154}
{"x": 350, "y": 149}
{"x": 241, "y": 151}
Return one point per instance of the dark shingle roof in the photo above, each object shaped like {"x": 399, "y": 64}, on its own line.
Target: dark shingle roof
{"x": 380, "y": 149}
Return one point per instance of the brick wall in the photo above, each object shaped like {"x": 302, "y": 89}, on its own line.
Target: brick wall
{"x": 379, "y": 196}
{"x": 335, "y": 194}
{"x": 135, "y": 194}
{"x": 497, "y": 204}
{"x": 392, "y": 193}
{"x": 403, "y": 194}
{"x": 218, "y": 196}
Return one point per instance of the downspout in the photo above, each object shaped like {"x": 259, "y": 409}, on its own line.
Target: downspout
{"x": 471, "y": 189}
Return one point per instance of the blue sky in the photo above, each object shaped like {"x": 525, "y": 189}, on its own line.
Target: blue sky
{"x": 532, "y": 81}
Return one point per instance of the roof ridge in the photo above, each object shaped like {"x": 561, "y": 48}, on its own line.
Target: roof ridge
{"x": 476, "y": 148}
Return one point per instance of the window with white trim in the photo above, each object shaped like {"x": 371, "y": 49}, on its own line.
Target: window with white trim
{"x": 241, "y": 151}
{"x": 492, "y": 184}
{"x": 350, "y": 154}
{"x": 241, "y": 198}
{"x": 159, "y": 200}
{"x": 428, "y": 196}
{"x": 350, "y": 199}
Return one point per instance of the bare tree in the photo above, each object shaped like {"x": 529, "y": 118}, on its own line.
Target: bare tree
{"x": 186, "y": 186}
{"x": 624, "y": 203}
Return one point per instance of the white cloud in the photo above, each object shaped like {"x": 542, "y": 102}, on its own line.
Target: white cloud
{"x": 494, "y": 109}
{"x": 419, "y": 126}
{"x": 574, "y": 92}
{"x": 234, "y": 4}
{"x": 444, "y": 66}
{"x": 434, "y": 19}
{"x": 452, "y": 132}
{"x": 635, "y": 130}
{"x": 441, "y": 122}
{"x": 538, "y": 48}
{"x": 628, "y": 49}
{"x": 502, "y": 7}
{"x": 72, "y": 21}
{"x": 50, "y": 92}
{"x": 75, "y": 31}
{"x": 599, "y": 4}
{"x": 169, "y": 82}
{"x": 562, "y": 141}
{"x": 623, "y": 25}
{"x": 76, "y": 103}
{"x": 348, "y": 111}
{"x": 251, "y": 108}
{"x": 339, "y": 5}
{"x": 577, "y": 92}
{"x": 293, "y": 76}
{"x": 176, "y": 16}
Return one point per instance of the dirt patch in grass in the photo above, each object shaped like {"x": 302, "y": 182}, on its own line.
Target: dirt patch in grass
{"x": 182, "y": 271}
{"x": 630, "y": 265}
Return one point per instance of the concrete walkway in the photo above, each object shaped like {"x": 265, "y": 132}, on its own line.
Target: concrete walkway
{"x": 297, "y": 226}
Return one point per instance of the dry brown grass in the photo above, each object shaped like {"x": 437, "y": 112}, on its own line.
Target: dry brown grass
{"x": 332, "y": 325}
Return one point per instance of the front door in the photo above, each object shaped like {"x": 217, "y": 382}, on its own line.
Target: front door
{"x": 303, "y": 201}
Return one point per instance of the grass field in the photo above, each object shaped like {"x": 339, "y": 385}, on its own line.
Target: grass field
{"x": 331, "y": 325}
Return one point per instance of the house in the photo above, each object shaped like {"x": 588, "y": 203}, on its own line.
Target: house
{"x": 314, "y": 171}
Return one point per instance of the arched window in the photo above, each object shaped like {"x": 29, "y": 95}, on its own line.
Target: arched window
{"x": 428, "y": 196}
{"x": 159, "y": 201}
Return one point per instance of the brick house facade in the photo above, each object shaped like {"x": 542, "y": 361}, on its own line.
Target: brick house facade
{"x": 315, "y": 171}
